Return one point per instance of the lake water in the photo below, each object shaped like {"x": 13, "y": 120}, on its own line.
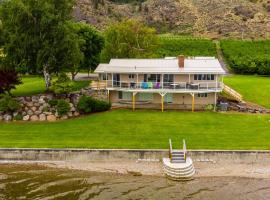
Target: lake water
{"x": 37, "y": 182}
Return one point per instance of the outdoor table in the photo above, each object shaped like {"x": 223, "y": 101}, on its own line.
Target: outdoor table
{"x": 174, "y": 85}
{"x": 195, "y": 85}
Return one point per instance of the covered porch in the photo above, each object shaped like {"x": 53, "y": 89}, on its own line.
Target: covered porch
{"x": 162, "y": 100}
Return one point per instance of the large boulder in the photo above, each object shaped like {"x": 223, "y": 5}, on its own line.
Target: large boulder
{"x": 37, "y": 112}
{"x": 26, "y": 118}
{"x": 35, "y": 98}
{"x": 7, "y": 117}
{"x": 76, "y": 114}
{"x": 34, "y": 118}
{"x": 41, "y": 101}
{"x": 42, "y": 117}
{"x": 30, "y": 104}
{"x": 64, "y": 117}
{"x": 51, "y": 118}
{"x": 30, "y": 112}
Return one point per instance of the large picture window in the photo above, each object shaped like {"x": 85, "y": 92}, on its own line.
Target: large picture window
{"x": 151, "y": 77}
{"x": 200, "y": 77}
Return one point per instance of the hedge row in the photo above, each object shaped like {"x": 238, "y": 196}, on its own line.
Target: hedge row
{"x": 247, "y": 57}
{"x": 174, "y": 46}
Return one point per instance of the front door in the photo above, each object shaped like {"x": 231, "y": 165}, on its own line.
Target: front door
{"x": 116, "y": 80}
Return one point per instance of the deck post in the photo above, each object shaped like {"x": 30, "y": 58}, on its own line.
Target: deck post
{"x": 193, "y": 102}
{"x": 133, "y": 100}
{"x": 112, "y": 80}
{"x": 108, "y": 93}
{"x": 106, "y": 80}
{"x": 215, "y": 105}
{"x": 162, "y": 94}
{"x": 216, "y": 81}
{"x": 137, "y": 84}
{"x": 162, "y": 103}
{"x": 162, "y": 81}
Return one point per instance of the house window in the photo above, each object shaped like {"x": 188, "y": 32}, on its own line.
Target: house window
{"x": 145, "y": 96}
{"x": 201, "y": 77}
{"x": 120, "y": 95}
{"x": 202, "y": 95}
{"x": 131, "y": 76}
{"x": 151, "y": 77}
{"x": 124, "y": 95}
{"x": 104, "y": 77}
{"x": 168, "y": 98}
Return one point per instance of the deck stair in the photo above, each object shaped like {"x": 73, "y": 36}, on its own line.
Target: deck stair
{"x": 178, "y": 166}
{"x": 97, "y": 85}
{"x": 231, "y": 92}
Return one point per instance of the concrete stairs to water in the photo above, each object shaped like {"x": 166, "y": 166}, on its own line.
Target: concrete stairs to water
{"x": 177, "y": 156}
{"x": 178, "y": 166}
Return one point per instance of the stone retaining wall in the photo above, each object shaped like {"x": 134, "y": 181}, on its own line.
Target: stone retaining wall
{"x": 37, "y": 107}
{"x": 88, "y": 155}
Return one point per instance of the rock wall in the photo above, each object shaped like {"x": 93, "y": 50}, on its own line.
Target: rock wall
{"x": 37, "y": 107}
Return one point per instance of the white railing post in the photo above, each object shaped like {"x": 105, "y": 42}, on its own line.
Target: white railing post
{"x": 184, "y": 148}
{"x": 170, "y": 149}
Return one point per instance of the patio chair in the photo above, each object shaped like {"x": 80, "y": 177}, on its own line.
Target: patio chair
{"x": 150, "y": 85}
{"x": 144, "y": 85}
{"x": 157, "y": 86}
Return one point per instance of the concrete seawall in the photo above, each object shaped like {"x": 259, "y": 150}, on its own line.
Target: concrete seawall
{"x": 88, "y": 155}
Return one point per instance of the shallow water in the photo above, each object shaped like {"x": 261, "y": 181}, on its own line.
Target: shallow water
{"x": 37, "y": 182}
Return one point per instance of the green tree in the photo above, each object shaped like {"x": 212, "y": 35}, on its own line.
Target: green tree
{"x": 37, "y": 36}
{"x": 91, "y": 44}
{"x": 129, "y": 39}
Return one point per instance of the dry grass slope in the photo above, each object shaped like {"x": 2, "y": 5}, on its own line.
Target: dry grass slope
{"x": 215, "y": 18}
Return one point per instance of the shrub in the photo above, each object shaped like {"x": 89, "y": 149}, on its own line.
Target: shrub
{"x": 53, "y": 102}
{"x": 174, "y": 46}
{"x": 62, "y": 85}
{"x": 88, "y": 104}
{"x": 247, "y": 57}
{"x": 8, "y": 80}
{"x": 7, "y": 103}
{"x": 18, "y": 117}
{"x": 100, "y": 106}
{"x": 84, "y": 104}
{"x": 62, "y": 107}
{"x": 209, "y": 107}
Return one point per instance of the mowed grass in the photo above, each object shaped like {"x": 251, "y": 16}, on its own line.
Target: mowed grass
{"x": 143, "y": 129}
{"x": 254, "y": 89}
{"x": 32, "y": 85}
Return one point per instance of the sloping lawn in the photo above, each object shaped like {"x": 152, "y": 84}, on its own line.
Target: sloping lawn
{"x": 143, "y": 129}
{"x": 255, "y": 89}
{"x": 35, "y": 85}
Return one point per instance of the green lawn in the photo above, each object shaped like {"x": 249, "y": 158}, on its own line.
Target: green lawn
{"x": 143, "y": 129}
{"x": 255, "y": 89}
{"x": 35, "y": 85}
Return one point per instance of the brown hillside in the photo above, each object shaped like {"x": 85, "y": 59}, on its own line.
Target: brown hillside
{"x": 210, "y": 18}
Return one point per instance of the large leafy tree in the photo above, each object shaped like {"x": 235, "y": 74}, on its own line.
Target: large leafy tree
{"x": 37, "y": 37}
{"x": 91, "y": 44}
{"x": 129, "y": 39}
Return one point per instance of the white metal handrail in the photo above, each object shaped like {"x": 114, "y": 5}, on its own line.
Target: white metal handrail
{"x": 184, "y": 148}
{"x": 170, "y": 150}
{"x": 164, "y": 85}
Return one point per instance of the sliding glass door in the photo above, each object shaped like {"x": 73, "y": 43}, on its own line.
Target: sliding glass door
{"x": 168, "y": 79}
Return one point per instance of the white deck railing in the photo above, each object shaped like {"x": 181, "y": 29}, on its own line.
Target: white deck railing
{"x": 163, "y": 85}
